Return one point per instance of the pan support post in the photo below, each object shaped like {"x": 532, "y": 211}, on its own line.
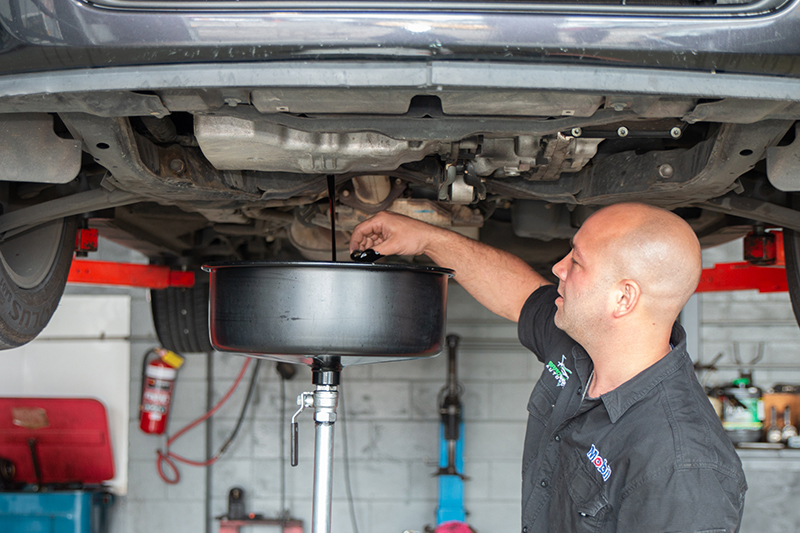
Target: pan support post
{"x": 324, "y": 400}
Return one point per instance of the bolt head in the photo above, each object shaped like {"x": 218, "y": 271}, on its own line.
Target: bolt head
{"x": 622, "y": 131}
{"x": 177, "y": 165}
{"x": 666, "y": 171}
{"x": 676, "y": 132}
{"x": 576, "y": 132}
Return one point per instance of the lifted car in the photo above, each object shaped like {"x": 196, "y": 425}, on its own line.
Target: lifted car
{"x": 195, "y": 131}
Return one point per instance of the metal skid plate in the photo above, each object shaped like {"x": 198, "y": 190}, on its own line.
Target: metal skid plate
{"x": 251, "y": 143}
{"x": 31, "y": 151}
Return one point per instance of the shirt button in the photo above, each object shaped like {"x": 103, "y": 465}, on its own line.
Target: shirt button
{"x": 525, "y": 529}
{"x": 579, "y": 390}
{"x": 557, "y": 438}
{"x": 543, "y": 483}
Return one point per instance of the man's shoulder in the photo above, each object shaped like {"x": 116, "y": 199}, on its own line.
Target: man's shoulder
{"x": 673, "y": 423}
{"x": 690, "y": 432}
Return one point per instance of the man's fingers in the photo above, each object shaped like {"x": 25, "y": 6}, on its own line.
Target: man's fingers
{"x": 367, "y": 235}
{"x": 383, "y": 233}
{"x": 360, "y": 237}
{"x": 368, "y": 243}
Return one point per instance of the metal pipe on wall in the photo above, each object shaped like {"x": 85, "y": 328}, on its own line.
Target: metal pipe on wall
{"x": 209, "y": 441}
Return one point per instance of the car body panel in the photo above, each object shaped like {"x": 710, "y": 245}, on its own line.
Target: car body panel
{"x": 100, "y": 37}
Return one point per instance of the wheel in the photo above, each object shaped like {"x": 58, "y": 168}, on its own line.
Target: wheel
{"x": 180, "y": 316}
{"x": 791, "y": 250}
{"x": 33, "y": 271}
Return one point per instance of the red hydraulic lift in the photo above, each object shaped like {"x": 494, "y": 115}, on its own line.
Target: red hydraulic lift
{"x": 122, "y": 274}
{"x": 128, "y": 275}
{"x": 764, "y": 270}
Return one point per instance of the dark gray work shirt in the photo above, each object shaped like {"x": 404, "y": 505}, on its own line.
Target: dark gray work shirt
{"x": 650, "y": 456}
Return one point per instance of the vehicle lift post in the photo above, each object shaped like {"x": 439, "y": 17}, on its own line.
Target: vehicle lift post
{"x": 451, "y": 451}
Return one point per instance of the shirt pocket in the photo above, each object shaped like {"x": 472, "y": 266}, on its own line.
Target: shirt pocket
{"x": 540, "y": 410}
{"x": 584, "y": 504}
{"x": 541, "y": 402}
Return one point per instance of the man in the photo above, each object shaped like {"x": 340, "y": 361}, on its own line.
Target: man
{"x": 621, "y": 436}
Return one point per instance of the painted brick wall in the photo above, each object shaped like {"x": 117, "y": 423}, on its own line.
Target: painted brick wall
{"x": 745, "y": 320}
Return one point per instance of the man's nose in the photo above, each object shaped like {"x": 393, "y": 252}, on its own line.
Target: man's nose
{"x": 559, "y": 269}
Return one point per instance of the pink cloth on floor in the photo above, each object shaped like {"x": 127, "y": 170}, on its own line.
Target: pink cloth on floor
{"x": 453, "y": 527}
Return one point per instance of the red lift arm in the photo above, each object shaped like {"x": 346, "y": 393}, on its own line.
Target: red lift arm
{"x": 128, "y": 275}
{"x": 723, "y": 277}
{"x": 741, "y": 277}
{"x": 760, "y": 248}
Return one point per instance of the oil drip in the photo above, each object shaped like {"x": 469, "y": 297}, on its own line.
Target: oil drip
{"x": 332, "y": 203}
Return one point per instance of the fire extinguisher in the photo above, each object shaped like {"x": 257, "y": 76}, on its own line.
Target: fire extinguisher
{"x": 158, "y": 381}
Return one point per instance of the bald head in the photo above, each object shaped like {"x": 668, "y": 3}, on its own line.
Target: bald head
{"x": 653, "y": 247}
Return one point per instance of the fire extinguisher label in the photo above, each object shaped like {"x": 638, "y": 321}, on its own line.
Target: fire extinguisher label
{"x": 155, "y": 400}
{"x": 155, "y": 403}
{"x": 159, "y": 384}
{"x": 156, "y": 397}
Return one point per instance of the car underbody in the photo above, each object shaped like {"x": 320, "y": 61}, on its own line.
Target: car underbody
{"x": 237, "y": 173}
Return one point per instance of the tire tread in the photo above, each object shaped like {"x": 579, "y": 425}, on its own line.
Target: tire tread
{"x": 180, "y": 316}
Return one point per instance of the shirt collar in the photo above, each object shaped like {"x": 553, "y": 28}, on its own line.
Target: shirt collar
{"x": 623, "y": 397}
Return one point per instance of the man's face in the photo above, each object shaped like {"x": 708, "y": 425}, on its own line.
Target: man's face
{"x": 584, "y": 285}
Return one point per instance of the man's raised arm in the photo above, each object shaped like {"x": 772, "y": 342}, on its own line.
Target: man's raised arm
{"x": 497, "y": 279}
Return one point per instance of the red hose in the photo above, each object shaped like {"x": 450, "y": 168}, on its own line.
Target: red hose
{"x": 169, "y": 457}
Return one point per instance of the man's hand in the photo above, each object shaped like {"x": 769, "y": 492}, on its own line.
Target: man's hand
{"x": 500, "y": 281}
{"x": 392, "y": 234}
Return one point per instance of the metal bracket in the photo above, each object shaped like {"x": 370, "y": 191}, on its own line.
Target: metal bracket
{"x": 782, "y": 164}
{"x": 454, "y": 188}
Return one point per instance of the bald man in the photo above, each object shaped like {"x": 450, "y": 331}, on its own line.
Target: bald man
{"x": 620, "y": 435}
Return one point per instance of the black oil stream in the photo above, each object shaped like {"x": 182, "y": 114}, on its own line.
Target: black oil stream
{"x": 332, "y": 202}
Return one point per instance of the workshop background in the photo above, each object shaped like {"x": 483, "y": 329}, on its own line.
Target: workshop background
{"x": 99, "y": 337}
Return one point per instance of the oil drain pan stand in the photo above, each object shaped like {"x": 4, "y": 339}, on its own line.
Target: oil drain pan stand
{"x": 327, "y": 316}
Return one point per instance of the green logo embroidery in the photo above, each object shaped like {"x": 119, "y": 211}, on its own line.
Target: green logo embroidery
{"x": 560, "y": 371}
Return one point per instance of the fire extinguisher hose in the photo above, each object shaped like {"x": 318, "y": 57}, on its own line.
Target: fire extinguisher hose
{"x": 169, "y": 457}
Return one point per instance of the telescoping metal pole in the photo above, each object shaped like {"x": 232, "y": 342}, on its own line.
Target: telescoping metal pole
{"x": 326, "y": 398}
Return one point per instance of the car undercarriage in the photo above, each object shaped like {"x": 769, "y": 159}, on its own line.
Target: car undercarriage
{"x": 234, "y": 176}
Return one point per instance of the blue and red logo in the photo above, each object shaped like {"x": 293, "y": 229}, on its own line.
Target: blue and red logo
{"x": 599, "y": 463}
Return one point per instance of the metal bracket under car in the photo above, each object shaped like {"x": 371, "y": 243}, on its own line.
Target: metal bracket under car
{"x": 30, "y": 151}
{"x": 783, "y": 163}
{"x": 667, "y": 178}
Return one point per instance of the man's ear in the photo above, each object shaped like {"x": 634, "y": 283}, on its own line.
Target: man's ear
{"x": 626, "y": 298}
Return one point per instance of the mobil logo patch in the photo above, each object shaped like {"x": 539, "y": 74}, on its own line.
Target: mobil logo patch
{"x": 599, "y": 462}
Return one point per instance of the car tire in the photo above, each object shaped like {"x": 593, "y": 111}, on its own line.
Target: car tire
{"x": 180, "y": 316}
{"x": 791, "y": 250}
{"x": 34, "y": 266}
